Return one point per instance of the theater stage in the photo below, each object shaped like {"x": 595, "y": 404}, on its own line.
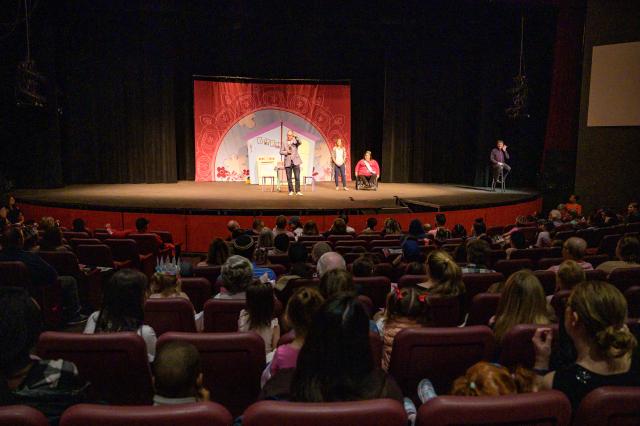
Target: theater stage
{"x": 196, "y": 211}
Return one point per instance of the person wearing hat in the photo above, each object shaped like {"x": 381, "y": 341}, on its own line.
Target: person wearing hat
{"x": 295, "y": 225}
{"x": 245, "y": 246}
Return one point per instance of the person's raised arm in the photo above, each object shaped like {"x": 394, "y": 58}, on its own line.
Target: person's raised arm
{"x": 542, "y": 339}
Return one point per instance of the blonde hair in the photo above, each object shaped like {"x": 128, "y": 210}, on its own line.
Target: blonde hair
{"x": 569, "y": 275}
{"x": 522, "y": 302}
{"x": 603, "y": 311}
{"x": 446, "y": 273}
{"x": 165, "y": 284}
{"x": 484, "y": 379}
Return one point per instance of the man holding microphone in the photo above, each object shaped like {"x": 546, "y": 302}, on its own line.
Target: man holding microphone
{"x": 292, "y": 161}
{"x": 499, "y": 156}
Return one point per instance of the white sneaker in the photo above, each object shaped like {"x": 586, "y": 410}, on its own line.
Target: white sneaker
{"x": 345, "y": 188}
{"x": 291, "y": 193}
{"x": 337, "y": 188}
{"x": 299, "y": 193}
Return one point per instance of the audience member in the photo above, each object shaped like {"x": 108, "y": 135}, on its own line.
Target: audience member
{"x": 555, "y": 217}
{"x": 568, "y": 276}
{"x": 478, "y": 253}
{"x": 372, "y": 222}
{"x": 234, "y": 229}
{"x": 363, "y": 266}
{"x": 416, "y": 230}
{"x": 52, "y": 240}
{"x": 406, "y": 308}
{"x": 257, "y": 227}
{"x": 339, "y": 227}
{"x": 459, "y": 231}
{"x": 310, "y": 228}
{"x": 177, "y": 375}
{"x": 544, "y": 234}
{"x": 245, "y": 246}
{"x": 349, "y": 229}
{"x": 441, "y": 221}
{"x": 78, "y": 225}
{"x": 218, "y": 253}
{"x": 42, "y": 274}
{"x": 517, "y": 241}
{"x": 573, "y": 204}
{"x": 479, "y": 228}
{"x": 336, "y": 281}
{"x": 486, "y": 379}
{"x": 391, "y": 227}
{"x": 299, "y": 315}
{"x": 319, "y": 249}
{"x": 142, "y": 227}
{"x": 574, "y": 248}
{"x": 628, "y": 253}
{"x": 281, "y": 244}
{"x": 258, "y": 316}
{"x": 15, "y": 217}
{"x": 265, "y": 247}
{"x": 335, "y": 363}
{"x": 329, "y": 261}
{"x": 416, "y": 268}
{"x": 522, "y": 302}
{"x": 237, "y": 274}
{"x": 633, "y": 213}
{"x": 295, "y": 225}
{"x": 122, "y": 309}
{"x": 445, "y": 276}
{"x": 281, "y": 227}
{"x": 49, "y": 386}
{"x": 164, "y": 285}
{"x": 595, "y": 320}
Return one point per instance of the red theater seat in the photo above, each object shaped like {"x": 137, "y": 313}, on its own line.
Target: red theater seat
{"x": 547, "y": 262}
{"x": 483, "y": 307}
{"x": 198, "y": 289}
{"x": 547, "y": 280}
{"x": 221, "y": 315}
{"x": 99, "y": 255}
{"x": 293, "y": 285}
{"x": 624, "y": 278}
{"x": 148, "y": 244}
{"x": 333, "y": 239}
{"x": 440, "y": 354}
{"x": 381, "y": 412}
{"x": 517, "y": 348}
{"x": 609, "y": 406}
{"x": 211, "y": 273}
{"x": 632, "y": 294}
{"x": 596, "y": 259}
{"x": 445, "y": 311}
{"x": 69, "y": 235}
{"x": 376, "y": 288}
{"x": 116, "y": 364}
{"x": 411, "y": 280}
{"x": 75, "y": 242}
{"x": 231, "y": 365}
{"x": 508, "y": 267}
{"x": 550, "y": 408}
{"x": 126, "y": 250}
{"x": 171, "y": 314}
{"x": 559, "y": 302}
{"x": 196, "y": 414}
{"x": 480, "y": 283}
{"x": 21, "y": 415}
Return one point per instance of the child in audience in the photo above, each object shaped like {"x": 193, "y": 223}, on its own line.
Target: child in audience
{"x": 258, "y": 316}
{"x": 164, "y": 285}
{"x": 569, "y": 275}
{"x": 445, "y": 276}
{"x": 177, "y": 375}
{"x": 122, "y": 309}
{"x": 406, "y": 308}
{"x": 485, "y": 379}
{"x": 522, "y": 302}
{"x": 299, "y": 313}
{"x": 49, "y": 386}
{"x": 218, "y": 253}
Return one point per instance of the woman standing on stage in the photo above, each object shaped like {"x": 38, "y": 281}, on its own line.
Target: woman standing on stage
{"x": 339, "y": 158}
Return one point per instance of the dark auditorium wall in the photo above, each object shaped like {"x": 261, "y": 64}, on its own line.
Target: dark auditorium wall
{"x": 608, "y": 158}
{"x": 429, "y": 82}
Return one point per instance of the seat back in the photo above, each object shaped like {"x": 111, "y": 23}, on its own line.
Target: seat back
{"x": 547, "y": 280}
{"x": 95, "y": 255}
{"x": 170, "y": 314}
{"x": 231, "y": 365}
{"x": 195, "y": 414}
{"x": 21, "y": 415}
{"x": 483, "y": 307}
{"x": 441, "y": 354}
{"x": 529, "y": 233}
{"x": 333, "y": 239}
{"x": 445, "y": 311}
{"x": 64, "y": 262}
{"x": 280, "y": 259}
{"x": 211, "y": 273}
{"x": 116, "y": 364}
{"x": 517, "y": 348}
{"x": 508, "y": 267}
{"x": 546, "y": 408}
{"x": 384, "y": 243}
{"x": 221, "y": 315}
{"x": 632, "y": 294}
{"x": 565, "y": 235}
{"x": 123, "y": 249}
{"x": 547, "y": 262}
{"x": 198, "y": 289}
{"x": 165, "y": 236}
{"x": 293, "y": 285}
{"x": 314, "y": 238}
{"x": 69, "y": 235}
{"x": 14, "y": 274}
{"x": 376, "y": 288}
{"x": 623, "y": 278}
{"x": 480, "y": 283}
{"x": 609, "y": 405}
{"x": 386, "y": 412}
{"x": 596, "y": 259}
{"x": 411, "y": 280}
{"x": 75, "y": 242}
{"x": 147, "y": 243}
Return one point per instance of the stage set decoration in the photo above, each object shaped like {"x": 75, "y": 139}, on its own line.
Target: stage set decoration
{"x": 239, "y": 126}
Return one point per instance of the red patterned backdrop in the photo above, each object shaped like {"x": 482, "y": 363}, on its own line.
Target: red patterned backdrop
{"x": 219, "y": 106}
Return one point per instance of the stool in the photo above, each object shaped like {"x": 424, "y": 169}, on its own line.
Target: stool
{"x": 500, "y": 179}
{"x": 313, "y": 183}
{"x": 266, "y": 179}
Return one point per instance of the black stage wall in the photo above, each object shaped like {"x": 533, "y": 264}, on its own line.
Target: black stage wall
{"x": 429, "y": 82}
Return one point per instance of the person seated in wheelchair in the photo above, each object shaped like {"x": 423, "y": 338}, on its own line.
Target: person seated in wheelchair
{"x": 367, "y": 172}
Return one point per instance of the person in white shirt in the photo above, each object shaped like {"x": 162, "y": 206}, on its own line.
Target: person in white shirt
{"x": 339, "y": 158}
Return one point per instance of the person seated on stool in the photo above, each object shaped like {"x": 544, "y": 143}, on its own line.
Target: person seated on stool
{"x": 499, "y": 156}
{"x": 368, "y": 171}
{"x": 292, "y": 160}
{"x": 339, "y": 157}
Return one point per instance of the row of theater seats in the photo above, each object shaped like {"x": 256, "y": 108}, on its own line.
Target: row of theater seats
{"x": 116, "y": 365}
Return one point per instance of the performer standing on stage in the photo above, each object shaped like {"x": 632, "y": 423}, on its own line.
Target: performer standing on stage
{"x": 339, "y": 158}
{"x": 499, "y": 156}
{"x": 292, "y": 160}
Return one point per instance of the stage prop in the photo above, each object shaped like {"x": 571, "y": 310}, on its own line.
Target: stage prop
{"x": 240, "y": 124}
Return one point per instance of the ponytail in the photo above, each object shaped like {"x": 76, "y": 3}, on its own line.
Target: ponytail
{"x": 615, "y": 342}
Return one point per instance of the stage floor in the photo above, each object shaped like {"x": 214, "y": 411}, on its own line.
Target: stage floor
{"x": 236, "y": 196}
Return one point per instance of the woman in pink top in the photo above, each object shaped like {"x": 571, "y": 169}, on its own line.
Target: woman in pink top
{"x": 368, "y": 171}
{"x": 301, "y": 308}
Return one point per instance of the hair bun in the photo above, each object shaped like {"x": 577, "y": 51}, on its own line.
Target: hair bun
{"x": 616, "y": 341}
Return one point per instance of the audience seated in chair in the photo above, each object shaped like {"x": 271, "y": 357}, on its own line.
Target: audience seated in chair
{"x": 445, "y": 276}
{"x": 177, "y": 375}
{"x": 330, "y": 261}
{"x": 122, "y": 309}
{"x": 47, "y": 385}
{"x": 485, "y": 379}
{"x": 478, "y": 252}
{"x": 218, "y": 253}
{"x": 574, "y": 248}
{"x": 258, "y": 315}
{"x": 522, "y": 302}
{"x": 628, "y": 253}
{"x": 281, "y": 227}
{"x": 568, "y": 276}
{"x": 142, "y": 227}
{"x": 372, "y": 222}
{"x": 310, "y": 228}
{"x": 236, "y": 275}
{"x": 245, "y": 246}
{"x": 441, "y": 221}
{"x": 391, "y": 227}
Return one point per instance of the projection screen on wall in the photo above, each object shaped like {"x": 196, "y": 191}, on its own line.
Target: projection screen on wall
{"x": 614, "y": 92}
